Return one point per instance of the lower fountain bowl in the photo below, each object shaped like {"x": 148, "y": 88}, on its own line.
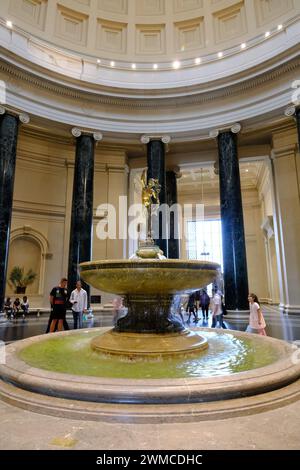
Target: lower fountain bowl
{"x": 149, "y": 345}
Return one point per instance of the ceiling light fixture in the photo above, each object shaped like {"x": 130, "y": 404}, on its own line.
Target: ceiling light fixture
{"x": 267, "y": 34}
{"x": 112, "y": 64}
{"x": 133, "y": 66}
{"x": 243, "y": 45}
{"x": 220, "y": 55}
{"x": 98, "y": 61}
{"x": 279, "y": 27}
{"x": 9, "y": 24}
{"x": 176, "y": 64}
{"x": 198, "y": 61}
{"x": 155, "y": 66}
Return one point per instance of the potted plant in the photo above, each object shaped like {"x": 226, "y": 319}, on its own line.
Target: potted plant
{"x": 19, "y": 280}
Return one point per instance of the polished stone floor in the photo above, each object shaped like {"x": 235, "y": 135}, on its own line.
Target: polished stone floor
{"x": 278, "y": 325}
{"x": 273, "y": 429}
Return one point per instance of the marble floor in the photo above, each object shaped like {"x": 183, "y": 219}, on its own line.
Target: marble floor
{"x": 273, "y": 429}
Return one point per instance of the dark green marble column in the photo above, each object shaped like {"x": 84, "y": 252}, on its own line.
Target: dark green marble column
{"x": 157, "y": 170}
{"x": 298, "y": 125}
{"x": 80, "y": 248}
{"x": 233, "y": 236}
{"x": 171, "y": 194}
{"x": 8, "y": 150}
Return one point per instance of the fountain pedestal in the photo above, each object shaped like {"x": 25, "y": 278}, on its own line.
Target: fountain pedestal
{"x": 148, "y": 286}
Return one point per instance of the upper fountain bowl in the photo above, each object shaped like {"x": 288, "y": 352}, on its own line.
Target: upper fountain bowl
{"x": 147, "y": 276}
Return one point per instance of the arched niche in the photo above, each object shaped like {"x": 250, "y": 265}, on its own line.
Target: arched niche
{"x": 28, "y": 249}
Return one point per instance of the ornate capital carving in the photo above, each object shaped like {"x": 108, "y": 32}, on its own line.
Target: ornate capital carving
{"x": 97, "y": 136}
{"x": 290, "y": 111}
{"x": 236, "y": 128}
{"x": 213, "y": 133}
{"x": 76, "y": 132}
{"x": 166, "y": 139}
{"x": 24, "y": 118}
{"x": 145, "y": 139}
{"x": 2, "y": 110}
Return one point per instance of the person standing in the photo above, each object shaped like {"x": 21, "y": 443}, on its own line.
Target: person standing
{"x": 204, "y": 302}
{"x": 78, "y": 300}
{"x": 25, "y": 306}
{"x": 257, "y": 322}
{"x": 59, "y": 300}
{"x": 217, "y": 313}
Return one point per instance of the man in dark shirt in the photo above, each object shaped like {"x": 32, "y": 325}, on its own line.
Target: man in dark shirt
{"x": 59, "y": 299}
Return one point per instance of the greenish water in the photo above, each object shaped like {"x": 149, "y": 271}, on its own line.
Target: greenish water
{"x": 226, "y": 355}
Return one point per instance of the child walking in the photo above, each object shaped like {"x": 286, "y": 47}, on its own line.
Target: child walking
{"x": 257, "y": 322}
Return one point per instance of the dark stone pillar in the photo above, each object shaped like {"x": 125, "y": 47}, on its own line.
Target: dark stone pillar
{"x": 171, "y": 194}
{"x": 298, "y": 125}
{"x": 8, "y": 151}
{"x": 233, "y": 236}
{"x": 156, "y": 170}
{"x": 80, "y": 248}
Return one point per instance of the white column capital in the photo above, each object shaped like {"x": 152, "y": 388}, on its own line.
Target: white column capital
{"x": 290, "y": 111}
{"x": 76, "y": 132}
{"x": 145, "y": 139}
{"x": 24, "y": 118}
{"x": 234, "y": 128}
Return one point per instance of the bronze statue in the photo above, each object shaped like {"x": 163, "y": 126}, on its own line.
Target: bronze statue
{"x": 150, "y": 191}
{"x": 150, "y": 196}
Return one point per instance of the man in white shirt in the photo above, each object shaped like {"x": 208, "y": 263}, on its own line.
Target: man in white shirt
{"x": 217, "y": 313}
{"x": 78, "y": 300}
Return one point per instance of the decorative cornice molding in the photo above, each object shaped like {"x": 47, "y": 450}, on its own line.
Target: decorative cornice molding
{"x": 192, "y": 95}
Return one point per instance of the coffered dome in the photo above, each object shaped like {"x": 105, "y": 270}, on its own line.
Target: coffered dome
{"x": 153, "y": 32}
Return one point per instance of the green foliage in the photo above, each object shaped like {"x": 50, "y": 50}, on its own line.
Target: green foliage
{"x": 18, "y": 278}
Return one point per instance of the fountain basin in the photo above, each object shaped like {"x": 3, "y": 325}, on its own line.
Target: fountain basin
{"x": 148, "y": 276}
{"x": 278, "y": 371}
{"x": 148, "y": 287}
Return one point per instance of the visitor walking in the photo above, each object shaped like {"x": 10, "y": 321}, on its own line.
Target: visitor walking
{"x": 78, "y": 300}
{"x": 257, "y": 322}
{"x": 217, "y": 312}
{"x": 192, "y": 308}
{"x": 204, "y": 302}
{"x": 58, "y": 300}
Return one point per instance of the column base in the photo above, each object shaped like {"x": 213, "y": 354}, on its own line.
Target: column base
{"x": 290, "y": 309}
{"x": 244, "y": 314}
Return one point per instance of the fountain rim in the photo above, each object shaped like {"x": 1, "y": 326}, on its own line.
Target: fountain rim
{"x": 150, "y": 263}
{"x": 149, "y": 391}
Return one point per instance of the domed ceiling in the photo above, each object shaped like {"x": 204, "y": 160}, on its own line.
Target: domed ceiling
{"x": 150, "y": 31}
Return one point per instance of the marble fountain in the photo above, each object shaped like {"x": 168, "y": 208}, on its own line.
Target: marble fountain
{"x": 149, "y": 367}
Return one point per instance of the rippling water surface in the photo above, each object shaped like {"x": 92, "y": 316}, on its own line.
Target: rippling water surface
{"x": 225, "y": 355}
